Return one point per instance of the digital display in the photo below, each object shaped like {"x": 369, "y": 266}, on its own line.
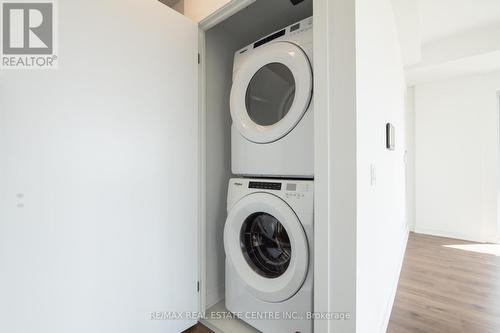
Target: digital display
{"x": 291, "y": 187}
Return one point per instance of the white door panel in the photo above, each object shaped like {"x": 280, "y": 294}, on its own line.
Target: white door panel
{"x": 98, "y": 175}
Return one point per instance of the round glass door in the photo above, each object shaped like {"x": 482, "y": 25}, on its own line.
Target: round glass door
{"x": 270, "y": 94}
{"x": 272, "y": 89}
{"x": 265, "y": 245}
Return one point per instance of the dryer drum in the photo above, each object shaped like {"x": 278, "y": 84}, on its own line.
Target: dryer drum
{"x": 270, "y": 94}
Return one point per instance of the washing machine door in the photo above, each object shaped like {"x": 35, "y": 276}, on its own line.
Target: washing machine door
{"x": 267, "y": 245}
{"x": 271, "y": 92}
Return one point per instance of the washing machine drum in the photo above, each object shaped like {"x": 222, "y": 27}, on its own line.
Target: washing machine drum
{"x": 267, "y": 246}
{"x": 271, "y": 92}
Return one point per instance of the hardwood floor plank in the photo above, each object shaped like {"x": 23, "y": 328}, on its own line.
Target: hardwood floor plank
{"x": 446, "y": 286}
{"x": 198, "y": 328}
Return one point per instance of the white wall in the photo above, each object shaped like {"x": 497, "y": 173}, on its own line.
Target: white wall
{"x": 197, "y": 10}
{"x": 381, "y": 229}
{"x": 457, "y": 157}
{"x": 410, "y": 157}
{"x": 408, "y": 26}
{"x": 105, "y": 152}
{"x": 220, "y": 48}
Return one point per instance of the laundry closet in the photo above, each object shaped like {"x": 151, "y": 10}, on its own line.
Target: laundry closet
{"x": 261, "y": 23}
{"x": 121, "y": 166}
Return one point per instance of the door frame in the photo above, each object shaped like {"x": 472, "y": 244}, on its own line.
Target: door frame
{"x": 226, "y": 11}
{"x": 496, "y": 237}
{"x": 335, "y": 135}
{"x": 202, "y": 195}
{"x": 335, "y": 164}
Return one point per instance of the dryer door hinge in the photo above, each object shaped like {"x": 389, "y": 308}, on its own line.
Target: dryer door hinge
{"x": 198, "y": 286}
{"x": 199, "y": 58}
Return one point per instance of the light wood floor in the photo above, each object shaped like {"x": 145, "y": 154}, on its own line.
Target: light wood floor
{"x": 198, "y": 329}
{"x": 446, "y": 286}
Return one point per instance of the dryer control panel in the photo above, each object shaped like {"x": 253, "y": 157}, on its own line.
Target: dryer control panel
{"x": 291, "y": 33}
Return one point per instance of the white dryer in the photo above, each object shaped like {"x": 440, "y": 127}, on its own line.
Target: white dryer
{"x": 271, "y": 105}
{"x": 268, "y": 240}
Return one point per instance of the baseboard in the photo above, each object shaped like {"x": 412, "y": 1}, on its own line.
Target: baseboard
{"x": 215, "y": 295}
{"x": 390, "y": 304}
{"x": 447, "y": 234}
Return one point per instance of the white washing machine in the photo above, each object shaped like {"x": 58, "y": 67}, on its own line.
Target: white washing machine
{"x": 272, "y": 133}
{"x": 268, "y": 240}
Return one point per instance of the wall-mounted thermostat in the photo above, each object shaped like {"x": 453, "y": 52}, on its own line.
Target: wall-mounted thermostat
{"x": 390, "y": 136}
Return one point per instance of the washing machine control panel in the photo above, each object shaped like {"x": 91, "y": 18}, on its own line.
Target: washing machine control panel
{"x": 296, "y": 190}
{"x": 291, "y": 189}
{"x": 265, "y": 185}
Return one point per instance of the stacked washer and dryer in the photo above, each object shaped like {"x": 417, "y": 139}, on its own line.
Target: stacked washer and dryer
{"x": 268, "y": 235}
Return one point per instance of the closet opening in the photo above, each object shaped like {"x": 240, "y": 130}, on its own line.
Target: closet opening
{"x": 255, "y": 25}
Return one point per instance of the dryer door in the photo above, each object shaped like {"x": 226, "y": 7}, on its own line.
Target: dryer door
{"x": 265, "y": 242}
{"x": 271, "y": 92}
